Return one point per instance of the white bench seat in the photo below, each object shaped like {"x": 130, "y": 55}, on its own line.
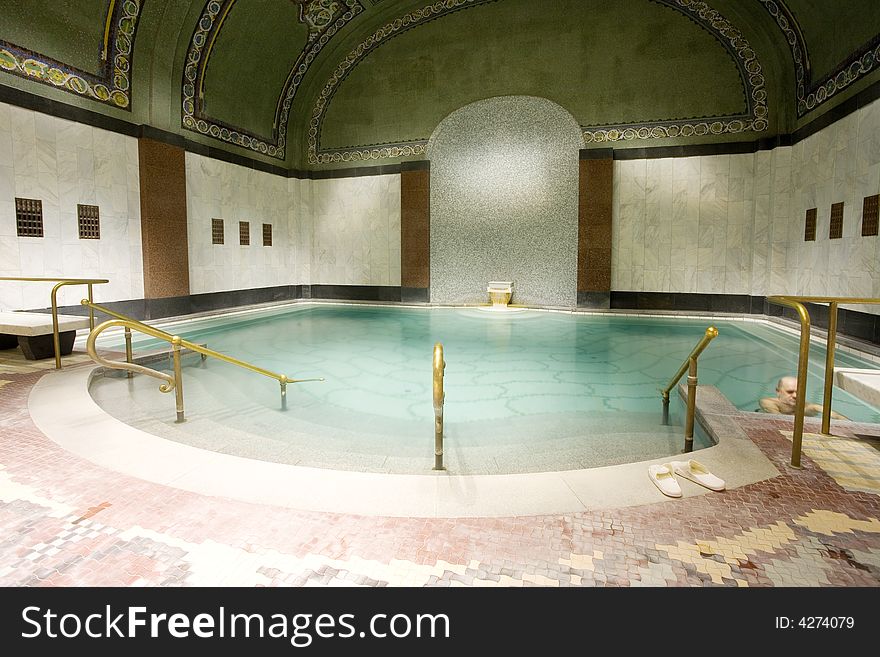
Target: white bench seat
{"x": 33, "y": 332}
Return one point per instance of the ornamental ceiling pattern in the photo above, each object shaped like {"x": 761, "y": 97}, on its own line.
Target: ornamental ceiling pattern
{"x": 111, "y": 85}
{"x": 810, "y": 94}
{"x": 751, "y": 73}
{"x": 324, "y": 18}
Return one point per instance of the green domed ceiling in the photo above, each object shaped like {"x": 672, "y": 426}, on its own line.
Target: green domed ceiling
{"x": 328, "y": 82}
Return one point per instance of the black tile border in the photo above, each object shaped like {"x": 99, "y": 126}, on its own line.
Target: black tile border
{"x": 56, "y": 108}
{"x": 415, "y": 294}
{"x": 26, "y": 100}
{"x": 596, "y": 300}
{"x": 850, "y": 323}
{"x": 355, "y": 292}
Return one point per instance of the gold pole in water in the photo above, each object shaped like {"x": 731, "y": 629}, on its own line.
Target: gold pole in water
{"x": 283, "y": 382}
{"x": 829, "y": 368}
{"x": 691, "y": 405}
{"x": 128, "y": 358}
{"x": 91, "y": 311}
{"x": 56, "y": 339}
{"x": 439, "y": 395}
{"x": 797, "y": 435}
{"x": 178, "y": 377}
{"x": 711, "y": 333}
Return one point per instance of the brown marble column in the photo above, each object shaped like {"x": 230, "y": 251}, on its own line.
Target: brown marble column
{"x": 163, "y": 219}
{"x": 415, "y": 231}
{"x": 595, "y": 192}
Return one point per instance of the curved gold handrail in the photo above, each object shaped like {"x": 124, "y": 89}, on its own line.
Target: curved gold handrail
{"x": 439, "y": 398}
{"x": 56, "y": 340}
{"x": 178, "y": 343}
{"x": 797, "y": 302}
{"x": 690, "y": 366}
{"x": 169, "y": 384}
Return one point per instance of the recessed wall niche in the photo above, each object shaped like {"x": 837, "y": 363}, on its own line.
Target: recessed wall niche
{"x": 835, "y": 230}
{"x": 29, "y": 217}
{"x": 217, "y": 232}
{"x": 88, "y": 221}
{"x": 504, "y": 202}
{"x": 870, "y": 216}
{"x": 810, "y": 225}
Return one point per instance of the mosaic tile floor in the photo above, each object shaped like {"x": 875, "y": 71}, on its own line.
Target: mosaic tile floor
{"x": 67, "y": 522}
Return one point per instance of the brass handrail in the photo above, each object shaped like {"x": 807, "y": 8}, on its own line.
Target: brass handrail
{"x": 177, "y": 343}
{"x": 689, "y": 365}
{"x": 439, "y": 397}
{"x": 797, "y": 303}
{"x": 56, "y": 340}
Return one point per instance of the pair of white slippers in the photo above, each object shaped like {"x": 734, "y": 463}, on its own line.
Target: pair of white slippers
{"x": 664, "y": 479}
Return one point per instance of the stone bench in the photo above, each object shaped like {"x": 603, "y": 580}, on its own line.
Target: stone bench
{"x": 33, "y": 333}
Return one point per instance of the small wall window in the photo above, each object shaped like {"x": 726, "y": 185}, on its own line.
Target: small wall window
{"x": 217, "y": 232}
{"x": 267, "y": 234}
{"x": 869, "y": 215}
{"x": 835, "y": 231}
{"x": 244, "y": 233}
{"x": 810, "y": 226}
{"x": 29, "y": 217}
{"x": 89, "y": 221}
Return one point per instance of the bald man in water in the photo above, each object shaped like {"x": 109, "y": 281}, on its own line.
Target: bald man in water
{"x": 786, "y": 396}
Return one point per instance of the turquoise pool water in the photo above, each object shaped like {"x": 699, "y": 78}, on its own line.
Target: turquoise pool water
{"x": 525, "y": 391}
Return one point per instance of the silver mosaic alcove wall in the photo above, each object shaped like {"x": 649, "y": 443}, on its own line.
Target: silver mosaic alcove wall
{"x": 504, "y": 193}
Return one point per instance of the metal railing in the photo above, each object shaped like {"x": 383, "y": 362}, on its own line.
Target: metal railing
{"x": 61, "y": 282}
{"x": 177, "y": 343}
{"x": 797, "y": 303}
{"x": 439, "y": 397}
{"x": 689, "y": 365}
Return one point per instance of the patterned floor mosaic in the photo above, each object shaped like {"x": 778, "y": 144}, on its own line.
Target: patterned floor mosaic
{"x": 67, "y": 522}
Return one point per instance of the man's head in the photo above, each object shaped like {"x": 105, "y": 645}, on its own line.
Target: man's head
{"x": 786, "y": 392}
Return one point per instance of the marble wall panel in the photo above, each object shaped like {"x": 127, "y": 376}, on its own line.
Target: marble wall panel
{"x": 355, "y": 231}
{"x": 63, "y": 163}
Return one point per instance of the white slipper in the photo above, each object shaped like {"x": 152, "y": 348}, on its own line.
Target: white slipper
{"x": 698, "y": 473}
{"x": 662, "y": 477}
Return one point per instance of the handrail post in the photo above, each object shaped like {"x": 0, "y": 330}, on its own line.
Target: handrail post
{"x": 56, "y": 339}
{"x": 91, "y": 311}
{"x": 829, "y": 368}
{"x": 797, "y": 436}
{"x": 178, "y": 377}
{"x": 283, "y": 382}
{"x": 439, "y": 396}
{"x": 128, "y": 357}
{"x": 691, "y": 405}
{"x": 710, "y": 334}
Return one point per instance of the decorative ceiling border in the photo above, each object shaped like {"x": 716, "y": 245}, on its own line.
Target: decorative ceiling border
{"x": 324, "y": 19}
{"x": 394, "y": 28}
{"x": 111, "y": 86}
{"x": 751, "y": 73}
{"x": 812, "y": 94}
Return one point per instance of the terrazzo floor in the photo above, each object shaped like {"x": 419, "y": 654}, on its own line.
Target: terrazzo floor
{"x": 67, "y": 522}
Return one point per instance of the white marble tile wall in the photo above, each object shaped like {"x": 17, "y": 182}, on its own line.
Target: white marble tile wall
{"x": 734, "y": 224}
{"x": 683, "y": 224}
{"x": 300, "y": 228}
{"x": 62, "y": 164}
{"x": 839, "y": 164}
{"x": 355, "y": 231}
{"x": 220, "y": 190}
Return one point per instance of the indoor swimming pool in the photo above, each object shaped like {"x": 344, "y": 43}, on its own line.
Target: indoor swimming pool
{"x": 526, "y": 391}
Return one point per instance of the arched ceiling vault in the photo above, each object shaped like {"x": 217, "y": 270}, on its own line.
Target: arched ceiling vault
{"x": 325, "y": 81}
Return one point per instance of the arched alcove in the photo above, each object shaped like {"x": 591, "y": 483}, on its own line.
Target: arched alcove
{"x": 504, "y": 186}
